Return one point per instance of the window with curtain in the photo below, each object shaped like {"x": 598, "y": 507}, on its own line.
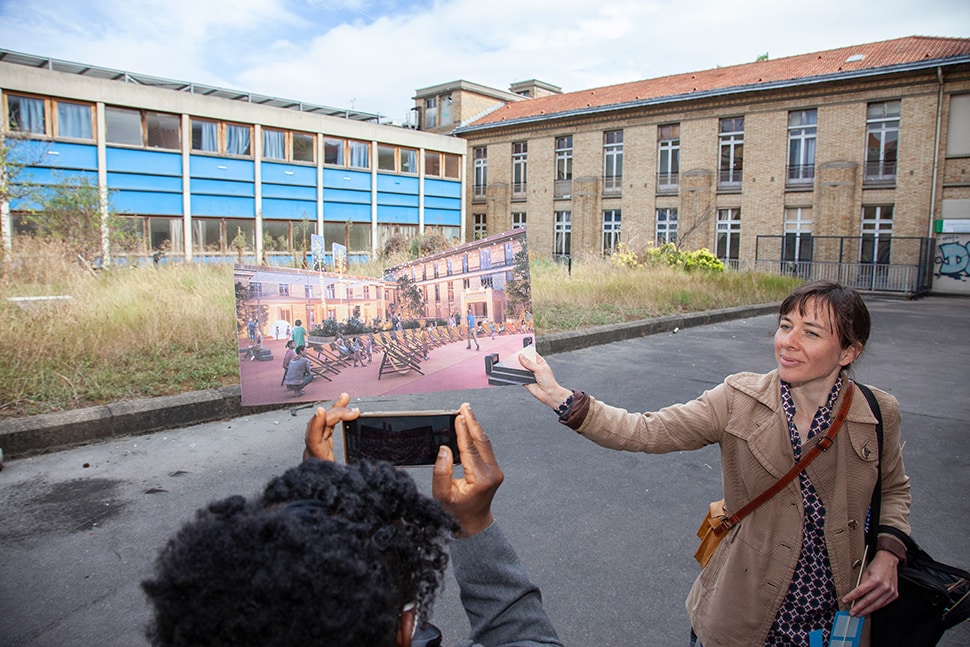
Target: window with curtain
{"x": 238, "y": 139}
{"x": 409, "y": 160}
{"x": 74, "y": 120}
{"x": 26, "y": 114}
{"x": 123, "y": 126}
{"x": 205, "y": 136}
{"x": 359, "y": 154}
{"x": 274, "y": 144}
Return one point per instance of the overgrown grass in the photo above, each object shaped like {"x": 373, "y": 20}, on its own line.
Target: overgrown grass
{"x": 150, "y": 331}
{"x": 598, "y": 292}
{"x": 126, "y": 333}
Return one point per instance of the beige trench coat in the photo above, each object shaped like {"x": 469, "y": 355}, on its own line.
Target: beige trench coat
{"x": 734, "y": 600}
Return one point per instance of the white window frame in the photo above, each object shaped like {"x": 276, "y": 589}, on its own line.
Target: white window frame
{"x": 802, "y": 134}
{"x": 520, "y": 168}
{"x": 612, "y": 220}
{"x": 480, "y": 183}
{"x": 666, "y": 226}
{"x": 731, "y": 149}
{"x": 479, "y": 226}
{"x": 798, "y": 225}
{"x": 612, "y": 161}
{"x": 519, "y": 219}
{"x": 668, "y": 156}
{"x": 729, "y": 231}
{"x": 562, "y": 234}
{"x": 882, "y": 141}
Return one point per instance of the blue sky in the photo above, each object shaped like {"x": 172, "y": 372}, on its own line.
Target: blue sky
{"x": 373, "y": 54}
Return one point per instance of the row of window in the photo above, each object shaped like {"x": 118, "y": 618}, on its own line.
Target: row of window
{"x": 443, "y": 268}
{"x": 876, "y": 232}
{"x": 149, "y": 129}
{"x": 162, "y": 235}
{"x": 882, "y": 138}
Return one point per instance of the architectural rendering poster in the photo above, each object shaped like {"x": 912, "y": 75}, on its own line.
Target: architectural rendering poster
{"x": 406, "y": 332}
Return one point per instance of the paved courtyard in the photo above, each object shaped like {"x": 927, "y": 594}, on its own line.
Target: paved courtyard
{"x": 608, "y": 536}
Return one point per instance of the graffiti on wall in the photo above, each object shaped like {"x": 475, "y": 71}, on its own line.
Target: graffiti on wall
{"x": 953, "y": 257}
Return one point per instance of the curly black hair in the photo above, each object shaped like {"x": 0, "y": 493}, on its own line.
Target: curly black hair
{"x": 328, "y": 555}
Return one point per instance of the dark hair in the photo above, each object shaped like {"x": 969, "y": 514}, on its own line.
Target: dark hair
{"x": 290, "y": 343}
{"x": 300, "y": 349}
{"x": 329, "y": 555}
{"x": 849, "y": 313}
{"x": 299, "y": 323}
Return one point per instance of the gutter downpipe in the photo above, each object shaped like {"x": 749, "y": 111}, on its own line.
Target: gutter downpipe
{"x": 936, "y": 148}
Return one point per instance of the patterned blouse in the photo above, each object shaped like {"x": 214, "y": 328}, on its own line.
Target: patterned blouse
{"x": 811, "y": 601}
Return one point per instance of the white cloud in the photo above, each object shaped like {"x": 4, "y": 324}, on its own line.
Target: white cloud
{"x": 375, "y": 53}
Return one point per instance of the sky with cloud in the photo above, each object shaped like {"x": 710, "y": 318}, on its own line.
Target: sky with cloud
{"x": 371, "y": 55}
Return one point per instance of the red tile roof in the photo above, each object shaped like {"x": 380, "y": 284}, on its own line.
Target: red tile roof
{"x": 912, "y": 49}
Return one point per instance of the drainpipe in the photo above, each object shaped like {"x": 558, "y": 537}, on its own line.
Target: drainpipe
{"x": 936, "y": 148}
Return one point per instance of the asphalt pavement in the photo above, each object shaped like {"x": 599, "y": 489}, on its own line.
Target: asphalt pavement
{"x": 608, "y": 536}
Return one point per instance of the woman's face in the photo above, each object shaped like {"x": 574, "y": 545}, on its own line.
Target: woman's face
{"x": 808, "y": 349}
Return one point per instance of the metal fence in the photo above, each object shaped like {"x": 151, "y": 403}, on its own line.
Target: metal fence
{"x": 886, "y": 264}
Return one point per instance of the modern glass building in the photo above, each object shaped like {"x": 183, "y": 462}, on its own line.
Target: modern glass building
{"x": 209, "y": 174}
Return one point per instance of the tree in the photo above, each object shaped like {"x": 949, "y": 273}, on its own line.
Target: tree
{"x": 16, "y": 154}
{"x": 71, "y": 211}
{"x": 410, "y": 298}
{"x": 518, "y": 290}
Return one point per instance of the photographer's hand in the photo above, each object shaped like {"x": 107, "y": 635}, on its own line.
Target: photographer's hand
{"x": 469, "y": 499}
{"x": 546, "y": 389}
{"x": 319, "y": 429}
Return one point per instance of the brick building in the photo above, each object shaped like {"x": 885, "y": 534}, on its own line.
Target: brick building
{"x": 846, "y": 163}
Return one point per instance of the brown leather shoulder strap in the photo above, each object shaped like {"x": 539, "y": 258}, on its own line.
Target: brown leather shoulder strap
{"x": 823, "y": 444}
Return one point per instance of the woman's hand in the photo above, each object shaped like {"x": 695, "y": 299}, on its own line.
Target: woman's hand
{"x": 468, "y": 499}
{"x": 546, "y": 389}
{"x": 319, "y": 429}
{"x": 879, "y": 585}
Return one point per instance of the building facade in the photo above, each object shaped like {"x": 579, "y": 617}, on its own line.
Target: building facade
{"x": 202, "y": 173}
{"x": 472, "y": 275}
{"x": 275, "y": 297}
{"x": 849, "y": 161}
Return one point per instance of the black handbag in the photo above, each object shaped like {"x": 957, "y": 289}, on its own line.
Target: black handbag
{"x": 933, "y": 596}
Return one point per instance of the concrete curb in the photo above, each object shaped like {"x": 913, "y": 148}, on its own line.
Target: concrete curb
{"x": 50, "y": 432}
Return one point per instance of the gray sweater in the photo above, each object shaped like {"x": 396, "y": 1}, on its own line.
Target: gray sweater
{"x": 504, "y": 607}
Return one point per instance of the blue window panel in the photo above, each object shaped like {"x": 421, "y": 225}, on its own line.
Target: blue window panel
{"x": 342, "y": 212}
{"x": 442, "y": 217}
{"x": 146, "y": 202}
{"x": 442, "y": 188}
{"x": 33, "y": 152}
{"x": 289, "y": 174}
{"x": 289, "y": 209}
{"x": 397, "y": 200}
{"x": 346, "y": 179}
{"x": 289, "y": 192}
{"x": 356, "y": 197}
{"x": 218, "y": 187}
{"x": 431, "y": 202}
{"x": 40, "y": 175}
{"x": 229, "y": 206}
{"x": 397, "y": 215}
{"x": 397, "y": 184}
{"x": 128, "y": 160}
{"x": 145, "y": 182}
{"x": 221, "y": 168}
